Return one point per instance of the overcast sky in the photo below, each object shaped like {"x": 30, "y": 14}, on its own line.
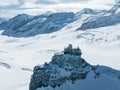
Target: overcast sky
{"x": 10, "y": 8}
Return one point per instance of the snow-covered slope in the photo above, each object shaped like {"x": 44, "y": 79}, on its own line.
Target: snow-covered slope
{"x": 15, "y": 23}
{"x": 115, "y": 8}
{"x": 25, "y": 26}
{"x": 2, "y": 20}
{"x": 111, "y": 17}
{"x": 101, "y": 21}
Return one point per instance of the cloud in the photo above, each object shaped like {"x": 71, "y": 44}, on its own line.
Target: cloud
{"x": 41, "y": 3}
{"x": 73, "y": 1}
{"x": 59, "y": 1}
{"x": 35, "y": 7}
{"x": 116, "y": 0}
{"x": 48, "y": 1}
{"x": 8, "y": 2}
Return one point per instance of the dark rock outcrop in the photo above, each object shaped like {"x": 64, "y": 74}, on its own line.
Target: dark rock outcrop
{"x": 65, "y": 66}
{"x": 26, "y": 26}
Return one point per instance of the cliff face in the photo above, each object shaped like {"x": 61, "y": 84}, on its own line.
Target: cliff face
{"x": 63, "y": 67}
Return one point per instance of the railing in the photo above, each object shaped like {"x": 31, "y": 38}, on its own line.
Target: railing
{"x": 59, "y": 53}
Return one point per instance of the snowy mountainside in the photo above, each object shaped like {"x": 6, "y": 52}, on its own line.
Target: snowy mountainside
{"x": 111, "y": 17}
{"x": 15, "y": 22}
{"x": 115, "y": 8}
{"x": 46, "y": 25}
{"x": 38, "y": 24}
{"x": 2, "y": 20}
{"x": 90, "y": 12}
{"x": 103, "y": 21}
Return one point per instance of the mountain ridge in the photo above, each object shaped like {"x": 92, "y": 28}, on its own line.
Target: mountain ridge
{"x": 24, "y": 25}
{"x": 43, "y": 24}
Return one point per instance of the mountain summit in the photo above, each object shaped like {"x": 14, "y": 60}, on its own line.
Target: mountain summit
{"x": 65, "y": 66}
{"x": 68, "y": 70}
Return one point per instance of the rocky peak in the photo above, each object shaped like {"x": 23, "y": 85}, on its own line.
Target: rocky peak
{"x": 87, "y": 11}
{"x": 65, "y": 66}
